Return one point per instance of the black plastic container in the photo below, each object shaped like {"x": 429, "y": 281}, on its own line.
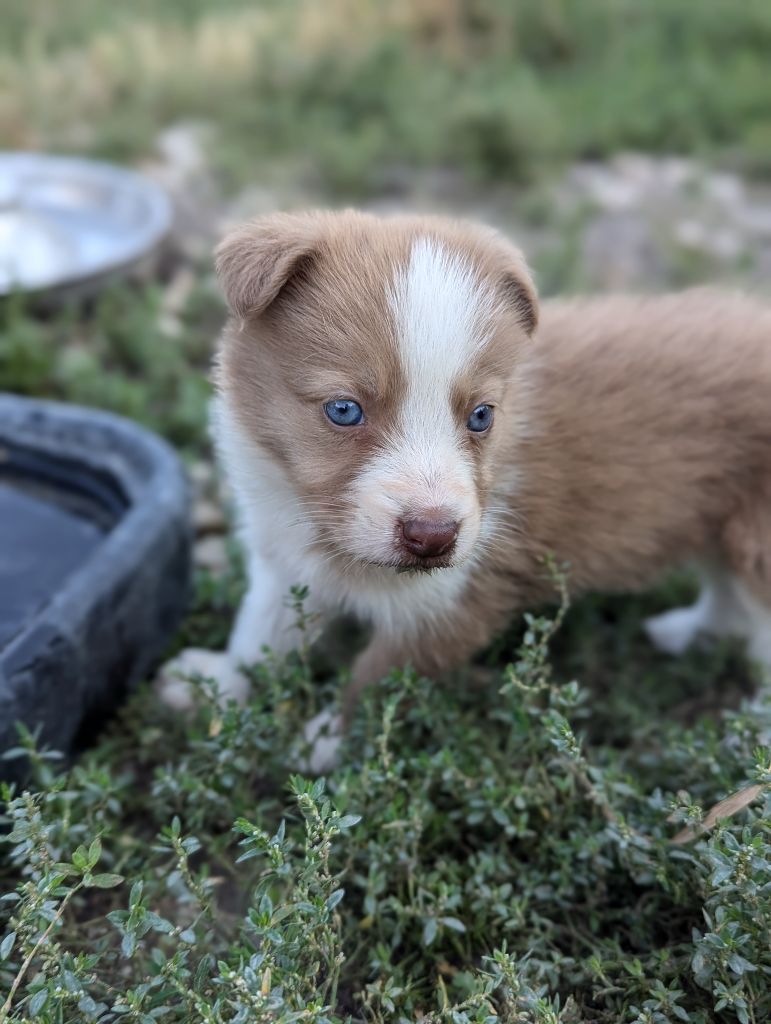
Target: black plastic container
{"x": 95, "y": 544}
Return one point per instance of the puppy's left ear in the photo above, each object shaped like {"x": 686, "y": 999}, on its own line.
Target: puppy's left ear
{"x": 255, "y": 262}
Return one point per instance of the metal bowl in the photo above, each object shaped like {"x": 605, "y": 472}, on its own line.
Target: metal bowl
{"x": 67, "y": 224}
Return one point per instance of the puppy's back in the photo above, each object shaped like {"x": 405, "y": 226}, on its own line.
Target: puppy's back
{"x": 648, "y": 425}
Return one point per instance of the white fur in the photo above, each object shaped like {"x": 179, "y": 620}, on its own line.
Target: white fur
{"x": 279, "y": 536}
{"x": 442, "y": 314}
{"x": 173, "y": 683}
{"x": 725, "y": 607}
{"x": 323, "y": 734}
{"x": 276, "y": 536}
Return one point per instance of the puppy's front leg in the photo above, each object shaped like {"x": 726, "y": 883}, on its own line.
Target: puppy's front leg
{"x": 382, "y": 655}
{"x": 266, "y": 617}
{"x": 429, "y": 654}
{"x": 264, "y": 620}
{"x": 325, "y": 731}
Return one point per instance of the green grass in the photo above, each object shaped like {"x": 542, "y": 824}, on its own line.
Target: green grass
{"x": 502, "y": 841}
{"x": 501, "y": 89}
{"x": 117, "y": 355}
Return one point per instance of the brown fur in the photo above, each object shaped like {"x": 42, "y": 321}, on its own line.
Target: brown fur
{"x": 647, "y": 446}
{"x": 639, "y": 428}
{"x": 312, "y": 323}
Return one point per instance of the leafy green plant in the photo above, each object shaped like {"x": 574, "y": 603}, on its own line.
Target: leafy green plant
{"x": 119, "y": 357}
{"x": 477, "y": 856}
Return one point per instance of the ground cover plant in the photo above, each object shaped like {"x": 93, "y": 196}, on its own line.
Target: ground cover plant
{"x": 497, "y": 850}
{"x": 535, "y": 841}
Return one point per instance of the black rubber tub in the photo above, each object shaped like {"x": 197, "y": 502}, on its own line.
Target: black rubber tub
{"x": 95, "y": 546}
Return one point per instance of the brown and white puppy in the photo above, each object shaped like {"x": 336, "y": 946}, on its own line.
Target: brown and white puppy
{"x": 406, "y": 438}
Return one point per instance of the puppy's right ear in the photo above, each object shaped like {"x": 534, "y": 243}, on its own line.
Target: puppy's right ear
{"x": 256, "y": 261}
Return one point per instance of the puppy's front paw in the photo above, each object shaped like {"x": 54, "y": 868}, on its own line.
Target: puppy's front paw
{"x": 323, "y": 735}
{"x": 173, "y": 683}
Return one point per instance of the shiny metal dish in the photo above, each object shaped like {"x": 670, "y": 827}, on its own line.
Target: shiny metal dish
{"x": 67, "y": 224}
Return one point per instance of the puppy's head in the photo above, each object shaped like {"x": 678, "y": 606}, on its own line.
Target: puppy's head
{"x": 371, "y": 359}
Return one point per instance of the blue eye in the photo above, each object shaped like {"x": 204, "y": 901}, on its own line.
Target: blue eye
{"x": 481, "y": 418}
{"x": 344, "y": 412}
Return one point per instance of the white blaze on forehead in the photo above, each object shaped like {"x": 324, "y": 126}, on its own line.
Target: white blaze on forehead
{"x": 442, "y": 311}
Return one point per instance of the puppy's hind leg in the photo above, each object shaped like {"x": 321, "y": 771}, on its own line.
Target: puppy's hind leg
{"x": 718, "y": 611}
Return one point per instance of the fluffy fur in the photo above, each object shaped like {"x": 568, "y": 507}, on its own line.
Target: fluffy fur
{"x": 630, "y": 435}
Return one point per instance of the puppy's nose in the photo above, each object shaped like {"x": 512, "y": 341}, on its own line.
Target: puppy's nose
{"x": 429, "y": 537}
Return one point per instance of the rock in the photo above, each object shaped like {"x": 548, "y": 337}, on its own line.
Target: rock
{"x": 174, "y": 300}
{"x": 170, "y": 325}
{"x": 726, "y": 245}
{"x": 201, "y": 475}
{"x": 208, "y": 518}
{"x": 211, "y": 553}
{"x": 177, "y": 293}
{"x": 605, "y": 188}
{"x": 725, "y": 190}
{"x": 755, "y": 219}
{"x": 618, "y": 251}
{"x": 652, "y": 211}
{"x": 691, "y": 234}
{"x": 676, "y": 173}
{"x": 183, "y": 146}
{"x": 183, "y": 169}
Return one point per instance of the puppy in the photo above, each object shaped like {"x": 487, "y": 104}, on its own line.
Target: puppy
{"x": 405, "y": 435}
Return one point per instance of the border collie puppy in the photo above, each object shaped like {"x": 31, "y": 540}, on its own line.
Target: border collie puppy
{"x": 409, "y": 437}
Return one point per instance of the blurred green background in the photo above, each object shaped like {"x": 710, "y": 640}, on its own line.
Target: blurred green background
{"x": 349, "y": 88}
{"x": 622, "y": 144}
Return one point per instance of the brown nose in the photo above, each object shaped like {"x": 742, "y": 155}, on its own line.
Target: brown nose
{"x": 429, "y": 537}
